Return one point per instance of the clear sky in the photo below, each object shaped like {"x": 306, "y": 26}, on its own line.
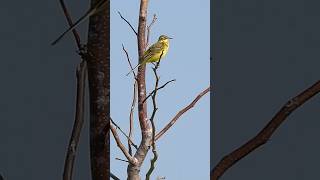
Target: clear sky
{"x": 184, "y": 149}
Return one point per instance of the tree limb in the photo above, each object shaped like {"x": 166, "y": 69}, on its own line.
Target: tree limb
{"x": 155, "y": 108}
{"x": 128, "y": 23}
{"x": 158, "y": 88}
{"x": 180, "y": 113}
{"x": 79, "y": 115}
{"x": 146, "y": 131}
{"x": 263, "y": 136}
{"x": 78, "y": 123}
{"x": 149, "y": 29}
{"x": 131, "y": 159}
{"x": 114, "y": 176}
{"x": 68, "y": 17}
{"x": 131, "y": 142}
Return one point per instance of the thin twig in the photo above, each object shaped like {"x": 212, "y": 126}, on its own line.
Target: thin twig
{"x": 132, "y": 143}
{"x": 149, "y": 28}
{"x": 128, "y": 59}
{"x": 263, "y": 136}
{"x": 128, "y": 23}
{"x": 133, "y": 101}
{"x": 68, "y": 17}
{"x": 122, "y": 160}
{"x": 131, "y": 115}
{"x": 130, "y": 158}
{"x": 78, "y": 122}
{"x": 114, "y": 176}
{"x": 180, "y": 113}
{"x": 158, "y": 88}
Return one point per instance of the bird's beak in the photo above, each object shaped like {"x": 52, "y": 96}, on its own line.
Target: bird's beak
{"x": 170, "y": 38}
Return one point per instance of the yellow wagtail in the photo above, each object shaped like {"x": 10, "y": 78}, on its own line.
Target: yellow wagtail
{"x": 101, "y": 5}
{"x": 155, "y": 52}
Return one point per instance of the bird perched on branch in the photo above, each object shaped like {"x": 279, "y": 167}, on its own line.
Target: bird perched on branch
{"x": 101, "y": 5}
{"x": 155, "y": 52}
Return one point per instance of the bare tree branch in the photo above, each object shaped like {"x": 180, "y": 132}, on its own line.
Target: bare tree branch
{"x": 114, "y": 176}
{"x": 263, "y": 136}
{"x": 155, "y": 108}
{"x": 68, "y": 17}
{"x": 181, "y": 112}
{"x": 128, "y": 23}
{"x": 149, "y": 29}
{"x": 78, "y": 123}
{"x": 79, "y": 115}
{"x": 133, "y": 100}
{"x": 131, "y": 142}
{"x": 158, "y": 88}
{"x": 131, "y": 115}
{"x": 146, "y": 131}
{"x": 122, "y": 160}
{"x": 128, "y": 59}
{"x": 131, "y": 159}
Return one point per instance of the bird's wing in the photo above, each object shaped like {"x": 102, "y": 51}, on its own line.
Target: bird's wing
{"x": 152, "y": 50}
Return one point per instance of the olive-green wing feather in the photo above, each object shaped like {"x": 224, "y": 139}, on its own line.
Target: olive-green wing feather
{"x": 154, "y": 49}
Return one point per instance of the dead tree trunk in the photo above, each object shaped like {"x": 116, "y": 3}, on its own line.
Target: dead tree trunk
{"x": 99, "y": 89}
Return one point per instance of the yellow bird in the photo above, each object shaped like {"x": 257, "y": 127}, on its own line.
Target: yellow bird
{"x": 155, "y": 52}
{"x": 100, "y": 6}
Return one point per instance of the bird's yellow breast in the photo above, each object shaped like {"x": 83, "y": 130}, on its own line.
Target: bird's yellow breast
{"x": 156, "y": 51}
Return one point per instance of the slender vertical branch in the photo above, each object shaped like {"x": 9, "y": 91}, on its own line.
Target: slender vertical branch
{"x": 78, "y": 123}
{"x": 149, "y": 29}
{"x": 131, "y": 115}
{"x": 133, "y": 99}
{"x": 155, "y": 108}
{"x": 81, "y": 73}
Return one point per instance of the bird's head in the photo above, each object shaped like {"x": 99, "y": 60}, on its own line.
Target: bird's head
{"x": 164, "y": 38}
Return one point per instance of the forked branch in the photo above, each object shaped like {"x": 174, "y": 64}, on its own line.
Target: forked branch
{"x": 130, "y": 141}
{"x": 131, "y": 159}
{"x": 68, "y": 17}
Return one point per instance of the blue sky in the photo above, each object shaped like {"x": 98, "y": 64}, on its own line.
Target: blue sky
{"x": 184, "y": 151}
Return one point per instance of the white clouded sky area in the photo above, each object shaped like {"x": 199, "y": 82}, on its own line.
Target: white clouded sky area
{"x": 184, "y": 151}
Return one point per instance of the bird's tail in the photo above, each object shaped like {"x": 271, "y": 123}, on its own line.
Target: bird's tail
{"x": 133, "y": 69}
